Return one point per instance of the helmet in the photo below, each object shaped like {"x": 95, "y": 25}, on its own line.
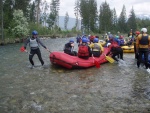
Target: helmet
{"x": 137, "y": 32}
{"x": 88, "y": 40}
{"x": 117, "y": 36}
{"x": 109, "y": 32}
{"x": 95, "y": 40}
{"x": 121, "y": 37}
{"x": 130, "y": 36}
{"x": 34, "y": 32}
{"x": 108, "y": 44}
{"x": 144, "y": 30}
{"x": 84, "y": 40}
{"x": 71, "y": 41}
{"x": 111, "y": 36}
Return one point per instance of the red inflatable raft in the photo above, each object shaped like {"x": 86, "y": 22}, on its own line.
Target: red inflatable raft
{"x": 67, "y": 61}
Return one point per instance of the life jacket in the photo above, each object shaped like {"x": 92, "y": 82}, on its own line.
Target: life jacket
{"x": 33, "y": 43}
{"x": 67, "y": 48}
{"x": 83, "y": 51}
{"x": 144, "y": 40}
{"x": 91, "y": 38}
{"x": 96, "y": 47}
{"x": 78, "y": 39}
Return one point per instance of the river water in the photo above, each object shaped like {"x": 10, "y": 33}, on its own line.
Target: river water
{"x": 113, "y": 88}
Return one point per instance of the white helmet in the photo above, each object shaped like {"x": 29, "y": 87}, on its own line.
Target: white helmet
{"x": 144, "y": 30}
{"x": 108, "y": 44}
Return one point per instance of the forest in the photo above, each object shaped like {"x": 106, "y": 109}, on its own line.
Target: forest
{"x": 18, "y": 19}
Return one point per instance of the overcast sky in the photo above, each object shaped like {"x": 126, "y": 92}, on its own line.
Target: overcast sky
{"x": 139, "y": 6}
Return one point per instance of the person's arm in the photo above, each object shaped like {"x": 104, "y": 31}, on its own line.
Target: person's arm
{"x": 39, "y": 41}
{"x": 26, "y": 42}
{"x": 102, "y": 49}
{"x": 149, "y": 42}
{"x": 137, "y": 42}
{"x": 91, "y": 45}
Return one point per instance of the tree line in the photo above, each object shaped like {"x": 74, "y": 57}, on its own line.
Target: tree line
{"x": 20, "y": 18}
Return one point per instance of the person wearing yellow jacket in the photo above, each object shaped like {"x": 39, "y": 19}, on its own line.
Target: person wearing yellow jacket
{"x": 142, "y": 46}
{"x": 96, "y": 47}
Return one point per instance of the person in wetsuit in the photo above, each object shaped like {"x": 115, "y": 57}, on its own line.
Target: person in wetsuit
{"x": 34, "y": 42}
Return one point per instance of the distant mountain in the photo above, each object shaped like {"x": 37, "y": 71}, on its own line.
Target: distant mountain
{"x": 143, "y": 16}
{"x": 71, "y": 22}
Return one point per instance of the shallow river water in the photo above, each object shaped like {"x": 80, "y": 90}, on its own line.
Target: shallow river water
{"x": 113, "y": 88}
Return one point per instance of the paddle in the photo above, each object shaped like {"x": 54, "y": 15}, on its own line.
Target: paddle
{"x": 22, "y": 49}
{"x": 109, "y": 59}
{"x": 97, "y": 64}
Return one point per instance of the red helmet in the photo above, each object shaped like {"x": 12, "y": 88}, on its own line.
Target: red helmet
{"x": 137, "y": 32}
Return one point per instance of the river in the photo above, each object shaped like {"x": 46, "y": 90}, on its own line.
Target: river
{"x": 112, "y": 88}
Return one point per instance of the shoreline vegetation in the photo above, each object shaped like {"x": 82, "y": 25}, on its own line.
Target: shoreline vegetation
{"x": 11, "y": 40}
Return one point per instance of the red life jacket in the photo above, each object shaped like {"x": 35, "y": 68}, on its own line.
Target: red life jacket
{"x": 83, "y": 51}
{"x": 115, "y": 44}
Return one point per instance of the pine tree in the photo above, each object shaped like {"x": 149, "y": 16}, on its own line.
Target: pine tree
{"x": 122, "y": 24}
{"x": 88, "y": 12}
{"x": 66, "y": 20}
{"x": 132, "y": 20}
{"x": 114, "y": 20}
{"x": 105, "y": 17}
{"x": 76, "y": 10}
{"x": 93, "y": 17}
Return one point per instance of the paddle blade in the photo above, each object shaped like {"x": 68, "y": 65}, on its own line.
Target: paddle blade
{"x": 22, "y": 49}
{"x": 97, "y": 64}
{"x": 109, "y": 59}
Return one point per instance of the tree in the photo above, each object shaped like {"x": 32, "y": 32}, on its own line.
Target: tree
{"x": 37, "y": 5}
{"x": 88, "y": 12}
{"x": 44, "y": 13}
{"x": 93, "y": 17}
{"x": 132, "y": 20}
{"x": 66, "y": 20}
{"x": 53, "y": 16}
{"x": 114, "y": 19}
{"x": 105, "y": 17}
{"x": 76, "y": 10}
{"x": 20, "y": 24}
{"x": 32, "y": 12}
{"x": 122, "y": 21}
{"x": 8, "y": 13}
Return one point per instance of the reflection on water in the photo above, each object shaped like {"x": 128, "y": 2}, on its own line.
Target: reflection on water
{"x": 113, "y": 88}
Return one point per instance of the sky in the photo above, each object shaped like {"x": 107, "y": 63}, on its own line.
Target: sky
{"x": 139, "y": 6}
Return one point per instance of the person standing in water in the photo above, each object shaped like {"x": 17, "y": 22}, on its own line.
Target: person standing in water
{"x": 142, "y": 47}
{"x": 34, "y": 42}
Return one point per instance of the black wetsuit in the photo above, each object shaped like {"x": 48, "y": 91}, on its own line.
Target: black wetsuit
{"x": 34, "y": 49}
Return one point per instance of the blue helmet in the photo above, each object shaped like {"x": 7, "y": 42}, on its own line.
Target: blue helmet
{"x": 95, "y": 40}
{"x": 71, "y": 41}
{"x": 84, "y": 40}
{"x": 34, "y": 32}
{"x": 111, "y": 36}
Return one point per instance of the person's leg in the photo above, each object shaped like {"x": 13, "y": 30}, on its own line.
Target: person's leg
{"x": 38, "y": 52}
{"x": 32, "y": 52}
{"x": 135, "y": 51}
{"x": 139, "y": 60}
{"x": 121, "y": 53}
{"x": 146, "y": 59}
{"x": 114, "y": 56}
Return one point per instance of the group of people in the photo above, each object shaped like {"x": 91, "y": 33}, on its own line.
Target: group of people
{"x": 89, "y": 46}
